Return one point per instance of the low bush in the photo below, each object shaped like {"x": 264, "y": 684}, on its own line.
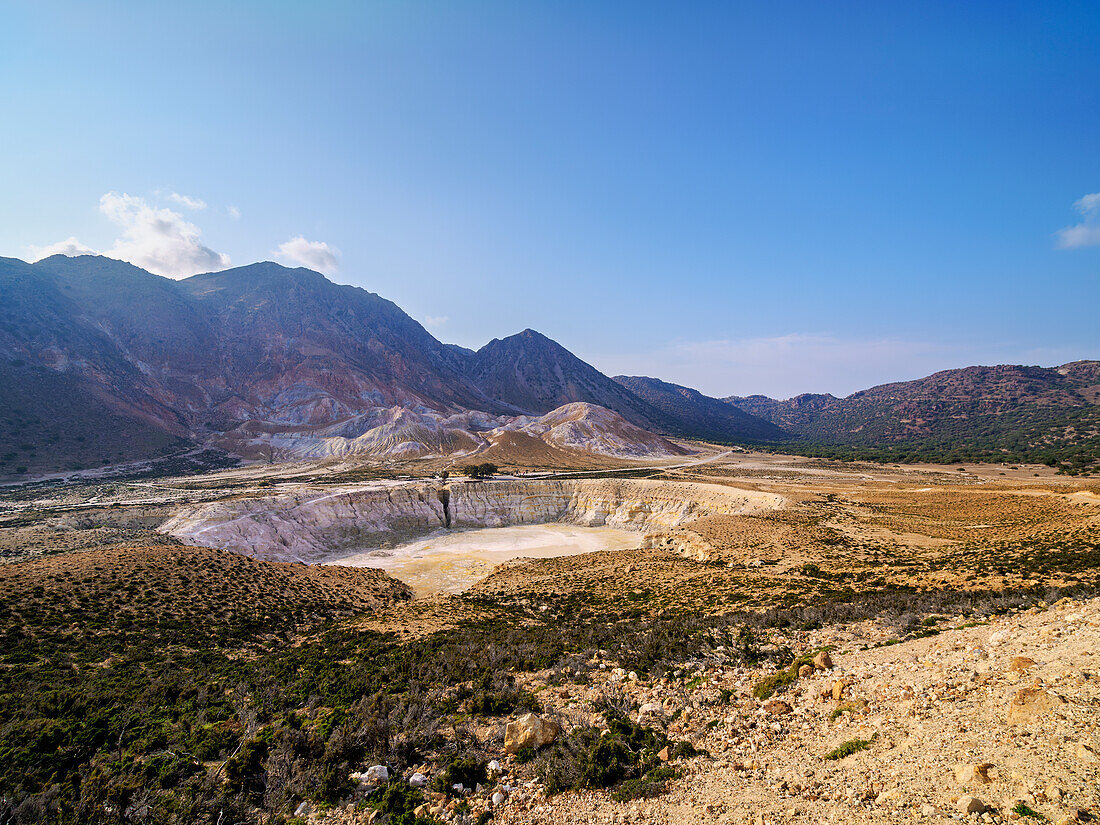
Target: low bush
{"x": 848, "y": 748}
{"x": 467, "y": 772}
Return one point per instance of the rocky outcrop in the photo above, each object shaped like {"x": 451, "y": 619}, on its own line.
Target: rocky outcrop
{"x": 578, "y": 428}
{"x": 529, "y": 731}
{"x": 323, "y": 526}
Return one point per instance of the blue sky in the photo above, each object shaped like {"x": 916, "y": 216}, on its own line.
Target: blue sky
{"x": 743, "y": 197}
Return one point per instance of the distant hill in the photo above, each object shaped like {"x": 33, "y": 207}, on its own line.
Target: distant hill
{"x": 102, "y": 362}
{"x": 1009, "y": 412}
{"x": 689, "y": 411}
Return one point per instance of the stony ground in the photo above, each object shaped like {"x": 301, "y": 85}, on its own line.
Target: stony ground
{"x": 996, "y": 717}
{"x": 83, "y": 569}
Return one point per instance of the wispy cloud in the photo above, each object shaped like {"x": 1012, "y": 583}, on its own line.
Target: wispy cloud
{"x": 1087, "y": 232}
{"x": 233, "y": 212}
{"x": 435, "y": 321}
{"x": 187, "y": 202}
{"x": 70, "y": 246}
{"x": 158, "y": 239}
{"x": 316, "y": 255}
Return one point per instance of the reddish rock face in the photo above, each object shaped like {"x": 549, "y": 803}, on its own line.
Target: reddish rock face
{"x": 263, "y": 350}
{"x": 911, "y": 409}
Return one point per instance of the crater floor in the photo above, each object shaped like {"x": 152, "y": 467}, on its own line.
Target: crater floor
{"x": 450, "y": 561}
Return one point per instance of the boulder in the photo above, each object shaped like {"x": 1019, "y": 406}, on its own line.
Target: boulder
{"x": 973, "y": 774}
{"x": 805, "y": 671}
{"x": 838, "y": 690}
{"x": 1031, "y": 703}
{"x": 970, "y": 804}
{"x": 529, "y": 731}
{"x": 777, "y": 707}
{"x": 418, "y": 780}
{"x": 377, "y": 775}
{"x": 892, "y": 795}
{"x": 823, "y": 661}
{"x": 1087, "y": 754}
{"x": 1021, "y": 664}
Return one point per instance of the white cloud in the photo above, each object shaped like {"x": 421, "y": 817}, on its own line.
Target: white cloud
{"x": 70, "y": 246}
{"x": 233, "y": 212}
{"x": 316, "y": 255}
{"x": 158, "y": 239}
{"x": 433, "y": 321}
{"x": 1086, "y": 233}
{"x": 187, "y": 202}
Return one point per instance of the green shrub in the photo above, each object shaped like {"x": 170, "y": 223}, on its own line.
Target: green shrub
{"x": 398, "y": 801}
{"x": 468, "y": 772}
{"x": 848, "y": 748}
{"x": 1022, "y": 809}
{"x": 652, "y": 784}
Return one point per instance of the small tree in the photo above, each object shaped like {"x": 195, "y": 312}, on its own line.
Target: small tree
{"x": 480, "y": 471}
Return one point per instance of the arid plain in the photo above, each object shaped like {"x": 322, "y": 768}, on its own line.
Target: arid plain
{"x": 696, "y": 644}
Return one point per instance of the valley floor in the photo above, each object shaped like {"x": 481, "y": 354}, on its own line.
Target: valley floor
{"x": 146, "y": 681}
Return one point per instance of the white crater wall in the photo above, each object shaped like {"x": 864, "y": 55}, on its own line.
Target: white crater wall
{"x": 316, "y": 526}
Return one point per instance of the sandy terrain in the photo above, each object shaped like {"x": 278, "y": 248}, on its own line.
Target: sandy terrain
{"x": 451, "y": 561}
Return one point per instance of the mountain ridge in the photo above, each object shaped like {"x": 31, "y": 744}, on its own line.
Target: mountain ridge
{"x": 1008, "y": 411}
{"x": 249, "y": 352}
{"x": 246, "y": 352}
{"x": 703, "y": 415}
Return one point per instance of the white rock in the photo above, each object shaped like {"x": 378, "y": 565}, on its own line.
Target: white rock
{"x": 498, "y": 799}
{"x": 377, "y": 775}
{"x": 418, "y": 780}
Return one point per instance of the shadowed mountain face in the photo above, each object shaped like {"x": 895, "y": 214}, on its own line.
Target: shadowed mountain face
{"x": 701, "y": 415}
{"x": 536, "y": 375}
{"x": 294, "y": 348}
{"x": 256, "y": 349}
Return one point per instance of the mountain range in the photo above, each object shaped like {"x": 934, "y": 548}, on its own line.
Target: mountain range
{"x": 1008, "y": 412}
{"x": 103, "y": 362}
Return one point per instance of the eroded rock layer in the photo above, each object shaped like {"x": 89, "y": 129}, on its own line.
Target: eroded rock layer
{"x": 313, "y": 526}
